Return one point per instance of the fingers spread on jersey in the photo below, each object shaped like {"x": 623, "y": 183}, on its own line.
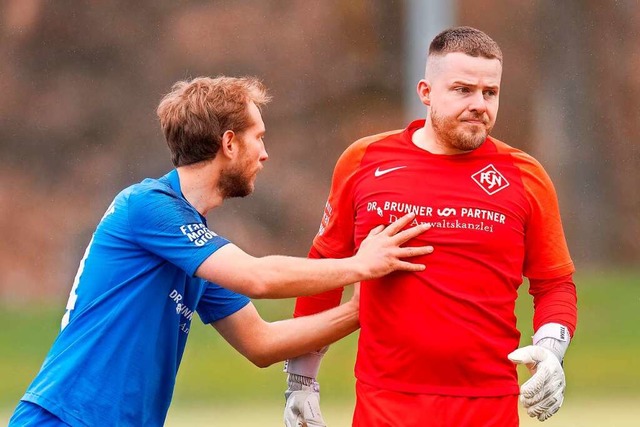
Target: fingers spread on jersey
{"x": 399, "y": 224}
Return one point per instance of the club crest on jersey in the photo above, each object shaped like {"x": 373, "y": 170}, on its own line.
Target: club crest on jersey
{"x": 490, "y": 180}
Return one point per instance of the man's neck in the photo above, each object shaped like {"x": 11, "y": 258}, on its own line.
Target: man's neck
{"x": 426, "y": 139}
{"x": 199, "y": 185}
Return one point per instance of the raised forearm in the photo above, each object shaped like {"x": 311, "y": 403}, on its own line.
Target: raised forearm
{"x": 283, "y": 277}
{"x": 289, "y": 338}
{"x": 280, "y": 276}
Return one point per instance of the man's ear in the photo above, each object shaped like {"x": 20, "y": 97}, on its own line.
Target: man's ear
{"x": 228, "y": 144}
{"x": 424, "y": 92}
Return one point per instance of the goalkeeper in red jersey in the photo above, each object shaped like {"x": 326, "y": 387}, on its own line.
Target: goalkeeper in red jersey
{"x": 439, "y": 347}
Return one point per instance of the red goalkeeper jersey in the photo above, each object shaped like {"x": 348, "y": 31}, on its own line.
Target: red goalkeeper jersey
{"x": 494, "y": 216}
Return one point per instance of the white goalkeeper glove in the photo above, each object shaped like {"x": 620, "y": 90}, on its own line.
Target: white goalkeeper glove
{"x": 542, "y": 395}
{"x": 303, "y": 403}
{"x": 302, "y": 408}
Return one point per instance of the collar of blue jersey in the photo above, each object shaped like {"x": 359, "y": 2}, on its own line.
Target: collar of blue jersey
{"x": 174, "y": 183}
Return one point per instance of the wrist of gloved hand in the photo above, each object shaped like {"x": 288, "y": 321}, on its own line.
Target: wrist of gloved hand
{"x": 554, "y": 337}
{"x": 301, "y": 383}
{"x": 306, "y": 365}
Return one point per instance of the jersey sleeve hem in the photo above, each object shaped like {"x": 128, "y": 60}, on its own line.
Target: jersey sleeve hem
{"x": 213, "y": 247}
{"x": 54, "y": 408}
{"x": 552, "y": 273}
{"x": 212, "y": 316}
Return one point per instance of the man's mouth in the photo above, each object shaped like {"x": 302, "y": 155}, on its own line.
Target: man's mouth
{"x": 475, "y": 121}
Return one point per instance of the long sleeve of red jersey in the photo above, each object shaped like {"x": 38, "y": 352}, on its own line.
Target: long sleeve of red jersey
{"x": 306, "y": 306}
{"x": 547, "y": 263}
{"x": 554, "y": 301}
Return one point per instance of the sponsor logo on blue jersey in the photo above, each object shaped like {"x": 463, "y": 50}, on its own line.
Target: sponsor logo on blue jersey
{"x": 197, "y": 233}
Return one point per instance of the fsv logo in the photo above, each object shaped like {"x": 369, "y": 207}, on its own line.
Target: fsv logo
{"x": 490, "y": 180}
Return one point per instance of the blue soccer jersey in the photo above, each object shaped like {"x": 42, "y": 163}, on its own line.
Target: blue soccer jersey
{"x": 128, "y": 316}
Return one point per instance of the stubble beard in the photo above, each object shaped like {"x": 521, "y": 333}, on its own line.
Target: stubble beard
{"x": 448, "y": 131}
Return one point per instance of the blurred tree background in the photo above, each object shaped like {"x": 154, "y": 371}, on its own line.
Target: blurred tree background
{"x": 80, "y": 82}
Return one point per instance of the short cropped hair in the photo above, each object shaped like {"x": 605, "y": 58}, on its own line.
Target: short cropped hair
{"x": 196, "y": 113}
{"x": 466, "y": 40}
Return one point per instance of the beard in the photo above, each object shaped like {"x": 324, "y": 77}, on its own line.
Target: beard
{"x": 449, "y": 131}
{"x": 235, "y": 183}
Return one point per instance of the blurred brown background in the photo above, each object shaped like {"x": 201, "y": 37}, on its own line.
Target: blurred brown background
{"x": 80, "y": 81}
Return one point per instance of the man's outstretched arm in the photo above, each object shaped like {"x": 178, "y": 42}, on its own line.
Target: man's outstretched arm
{"x": 282, "y": 277}
{"x": 265, "y": 343}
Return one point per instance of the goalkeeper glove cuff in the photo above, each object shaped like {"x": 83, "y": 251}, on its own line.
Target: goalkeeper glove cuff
{"x": 554, "y": 337}
{"x": 306, "y": 365}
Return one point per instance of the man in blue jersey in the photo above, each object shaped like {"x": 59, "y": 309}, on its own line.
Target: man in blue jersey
{"x": 152, "y": 262}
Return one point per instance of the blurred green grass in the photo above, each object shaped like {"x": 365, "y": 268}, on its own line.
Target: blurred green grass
{"x": 599, "y": 365}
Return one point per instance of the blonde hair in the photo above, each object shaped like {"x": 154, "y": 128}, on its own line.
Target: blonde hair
{"x": 196, "y": 113}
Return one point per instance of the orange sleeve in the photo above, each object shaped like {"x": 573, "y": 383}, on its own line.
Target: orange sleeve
{"x": 546, "y": 252}
{"x": 547, "y": 262}
{"x": 335, "y": 238}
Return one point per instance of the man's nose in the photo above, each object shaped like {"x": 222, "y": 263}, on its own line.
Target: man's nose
{"x": 263, "y": 154}
{"x": 477, "y": 102}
